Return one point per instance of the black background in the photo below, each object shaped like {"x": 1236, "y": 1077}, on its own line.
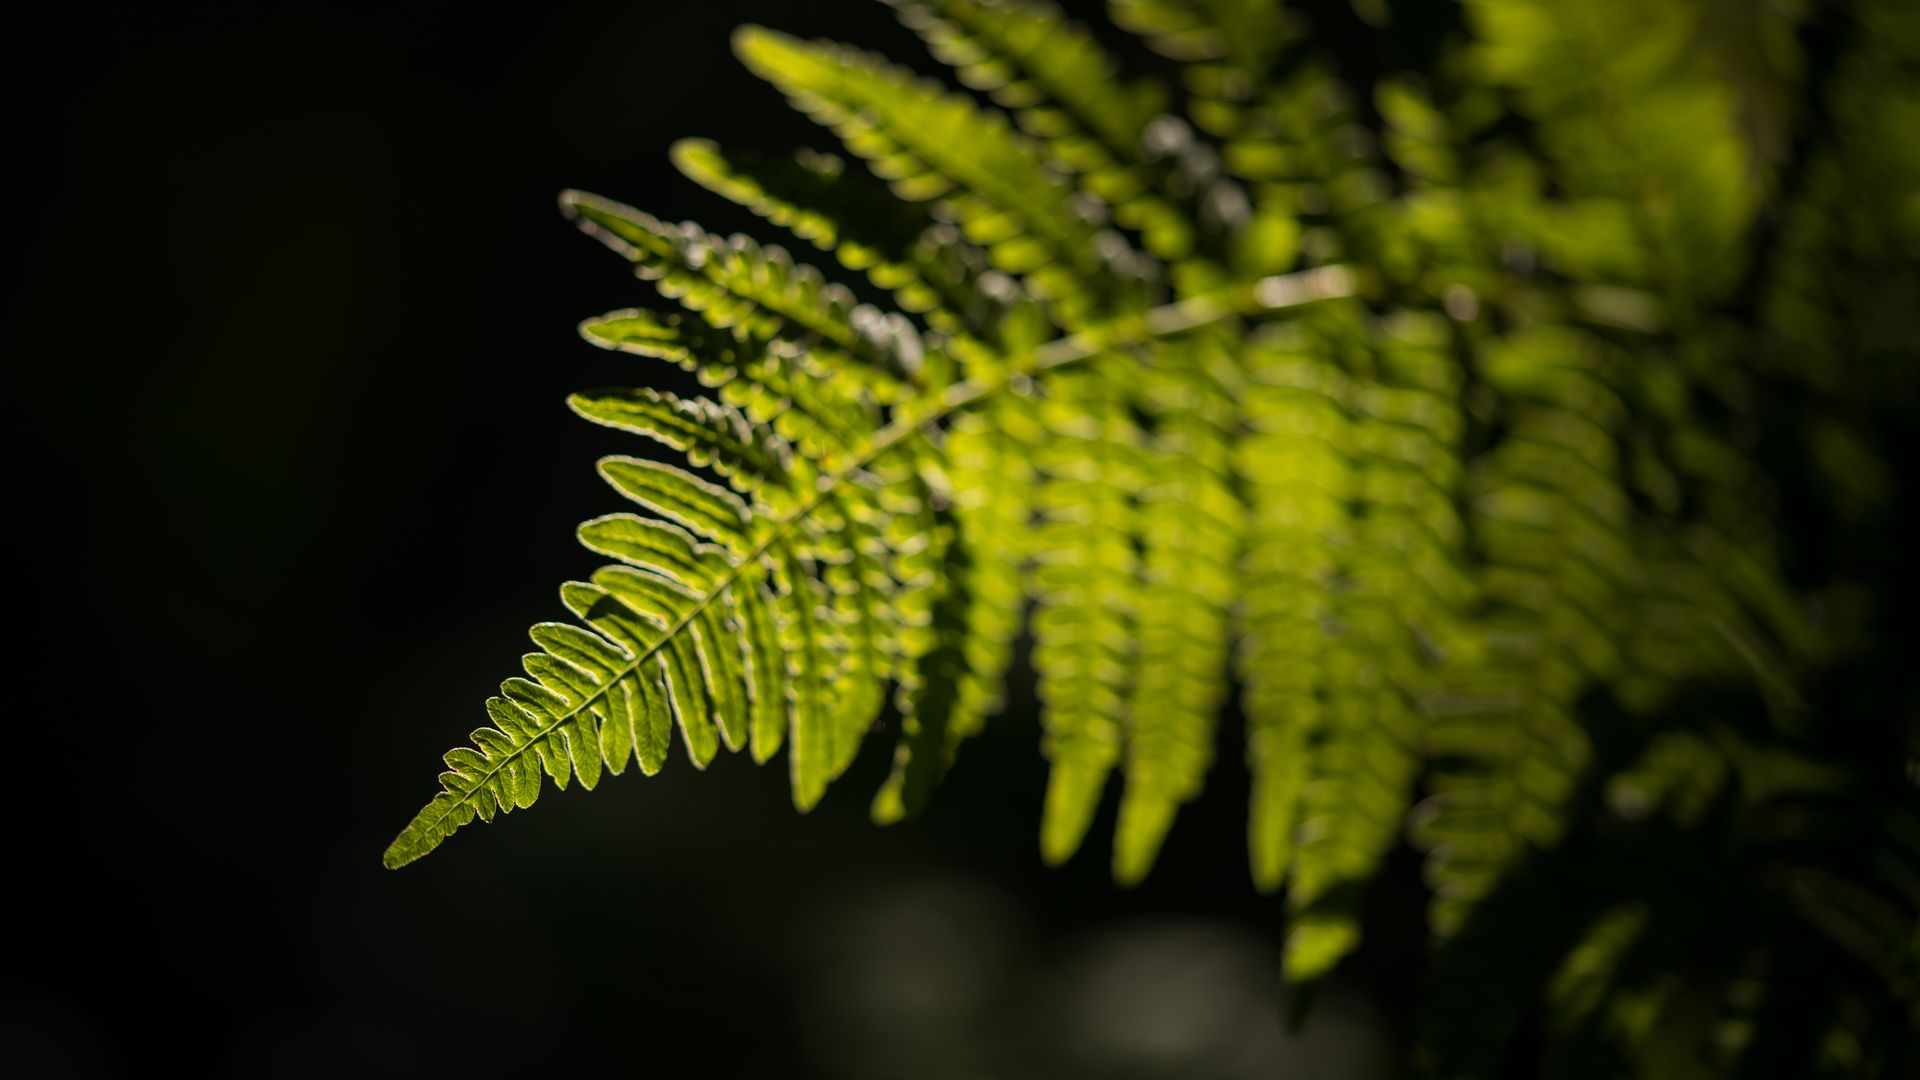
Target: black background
{"x": 290, "y": 326}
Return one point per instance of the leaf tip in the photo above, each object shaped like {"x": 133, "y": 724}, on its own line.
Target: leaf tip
{"x": 888, "y": 807}
{"x": 400, "y": 853}
{"x": 748, "y": 37}
{"x": 1130, "y": 870}
{"x": 1057, "y": 845}
{"x": 694, "y": 157}
{"x": 761, "y": 49}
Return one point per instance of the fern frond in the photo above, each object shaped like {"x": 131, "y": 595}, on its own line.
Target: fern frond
{"x": 1112, "y": 137}
{"x": 688, "y": 634}
{"x": 761, "y": 291}
{"x": 1192, "y": 525}
{"x": 1062, "y": 85}
{"x": 987, "y": 179}
{"x": 1551, "y": 518}
{"x": 1467, "y": 509}
{"x": 712, "y": 435}
{"x": 1637, "y": 112}
{"x": 671, "y": 607}
{"x": 899, "y": 246}
{"x": 1086, "y": 594}
{"x": 1355, "y": 551}
{"x": 1289, "y": 134}
{"x": 1235, "y": 53}
{"x": 1585, "y": 977}
{"x": 1246, "y": 36}
{"x": 673, "y": 647}
{"x": 765, "y": 380}
{"x": 713, "y": 512}
{"x": 978, "y": 601}
{"x": 1294, "y": 465}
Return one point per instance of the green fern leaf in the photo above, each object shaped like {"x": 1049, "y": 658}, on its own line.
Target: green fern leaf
{"x": 1086, "y": 587}
{"x": 989, "y": 180}
{"x": 900, "y": 247}
{"x": 761, "y": 292}
{"x": 1191, "y": 537}
{"x": 1437, "y": 501}
{"x": 710, "y": 434}
{"x": 681, "y": 497}
{"x": 979, "y": 605}
{"x": 1064, "y": 91}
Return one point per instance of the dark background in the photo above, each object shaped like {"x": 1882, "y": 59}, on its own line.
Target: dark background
{"x": 290, "y": 326}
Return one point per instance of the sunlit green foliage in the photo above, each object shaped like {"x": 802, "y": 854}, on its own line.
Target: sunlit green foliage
{"x": 1415, "y": 422}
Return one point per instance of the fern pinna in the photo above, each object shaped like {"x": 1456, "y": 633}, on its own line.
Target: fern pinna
{"x": 1405, "y": 422}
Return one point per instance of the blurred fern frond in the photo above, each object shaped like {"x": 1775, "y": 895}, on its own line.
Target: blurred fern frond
{"x": 1416, "y": 410}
